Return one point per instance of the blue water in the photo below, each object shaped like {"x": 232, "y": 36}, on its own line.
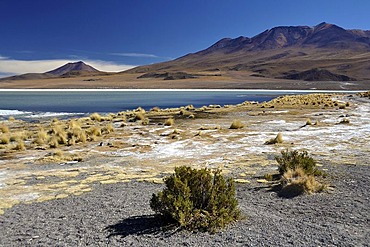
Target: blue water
{"x": 114, "y": 101}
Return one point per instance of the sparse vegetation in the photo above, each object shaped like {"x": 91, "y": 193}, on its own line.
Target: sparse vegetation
{"x": 197, "y": 199}
{"x": 4, "y": 128}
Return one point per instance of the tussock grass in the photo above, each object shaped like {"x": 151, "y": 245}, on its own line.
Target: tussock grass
{"x": 4, "y": 128}
{"x": 41, "y": 137}
{"x": 277, "y": 139}
{"x": 4, "y": 139}
{"x": 298, "y": 171}
{"x": 96, "y": 117}
{"x": 11, "y": 119}
{"x": 139, "y": 116}
{"x": 107, "y": 129}
{"x": 20, "y": 145}
{"x": 297, "y": 182}
{"x": 236, "y": 124}
{"x": 169, "y": 122}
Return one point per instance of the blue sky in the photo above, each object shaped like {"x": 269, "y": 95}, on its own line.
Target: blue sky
{"x": 114, "y": 35}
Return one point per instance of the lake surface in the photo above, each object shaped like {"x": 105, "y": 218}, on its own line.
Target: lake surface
{"x": 49, "y": 103}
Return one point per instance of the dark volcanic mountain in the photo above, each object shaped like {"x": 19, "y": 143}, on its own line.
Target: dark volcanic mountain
{"x": 72, "y": 68}
{"x": 281, "y": 51}
{"x": 67, "y": 70}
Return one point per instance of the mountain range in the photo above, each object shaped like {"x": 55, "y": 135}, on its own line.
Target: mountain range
{"x": 322, "y": 52}
{"x": 325, "y": 52}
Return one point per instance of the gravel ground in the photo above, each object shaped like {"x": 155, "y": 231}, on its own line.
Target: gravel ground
{"x": 119, "y": 215}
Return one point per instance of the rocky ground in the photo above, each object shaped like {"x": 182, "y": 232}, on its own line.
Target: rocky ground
{"x": 119, "y": 215}
{"x": 48, "y": 198}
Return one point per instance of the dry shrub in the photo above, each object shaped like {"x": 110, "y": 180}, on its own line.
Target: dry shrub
{"x": 169, "y": 122}
{"x": 236, "y": 124}
{"x": 191, "y": 116}
{"x": 308, "y": 121}
{"x": 11, "y": 119}
{"x": 4, "y": 128}
{"x": 277, "y": 139}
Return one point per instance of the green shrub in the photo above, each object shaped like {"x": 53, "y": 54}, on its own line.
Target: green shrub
{"x": 197, "y": 199}
{"x": 291, "y": 160}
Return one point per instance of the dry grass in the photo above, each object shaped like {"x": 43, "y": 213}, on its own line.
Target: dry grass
{"x": 20, "y": 146}
{"x": 277, "y": 139}
{"x": 11, "y": 119}
{"x": 4, "y": 139}
{"x": 4, "y": 128}
{"x": 139, "y": 116}
{"x": 297, "y": 182}
{"x": 169, "y": 122}
{"x": 41, "y": 137}
{"x": 96, "y": 117}
{"x": 236, "y": 124}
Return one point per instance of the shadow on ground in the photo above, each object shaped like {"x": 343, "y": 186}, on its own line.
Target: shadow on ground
{"x": 140, "y": 225}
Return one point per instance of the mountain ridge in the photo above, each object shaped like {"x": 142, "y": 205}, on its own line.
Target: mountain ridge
{"x": 278, "y": 51}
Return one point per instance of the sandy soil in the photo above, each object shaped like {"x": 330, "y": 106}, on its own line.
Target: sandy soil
{"x": 228, "y": 80}
{"x": 49, "y": 199}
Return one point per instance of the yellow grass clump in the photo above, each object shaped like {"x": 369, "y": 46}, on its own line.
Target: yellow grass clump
{"x": 41, "y": 137}
{"x": 296, "y": 182}
{"x": 236, "y": 124}
{"x": 4, "y": 128}
{"x": 4, "y": 139}
{"x": 169, "y": 122}
{"x": 277, "y": 139}
{"x": 20, "y": 145}
{"x": 11, "y": 119}
{"x": 96, "y": 117}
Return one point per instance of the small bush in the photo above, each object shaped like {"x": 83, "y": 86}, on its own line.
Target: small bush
{"x": 291, "y": 160}
{"x": 197, "y": 199}
{"x": 236, "y": 124}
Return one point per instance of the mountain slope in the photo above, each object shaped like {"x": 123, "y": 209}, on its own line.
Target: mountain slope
{"x": 279, "y": 51}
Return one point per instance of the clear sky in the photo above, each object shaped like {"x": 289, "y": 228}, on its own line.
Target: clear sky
{"x": 112, "y": 35}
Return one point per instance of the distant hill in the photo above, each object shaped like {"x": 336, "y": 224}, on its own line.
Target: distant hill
{"x": 68, "y": 70}
{"x": 276, "y": 52}
{"x": 72, "y": 68}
